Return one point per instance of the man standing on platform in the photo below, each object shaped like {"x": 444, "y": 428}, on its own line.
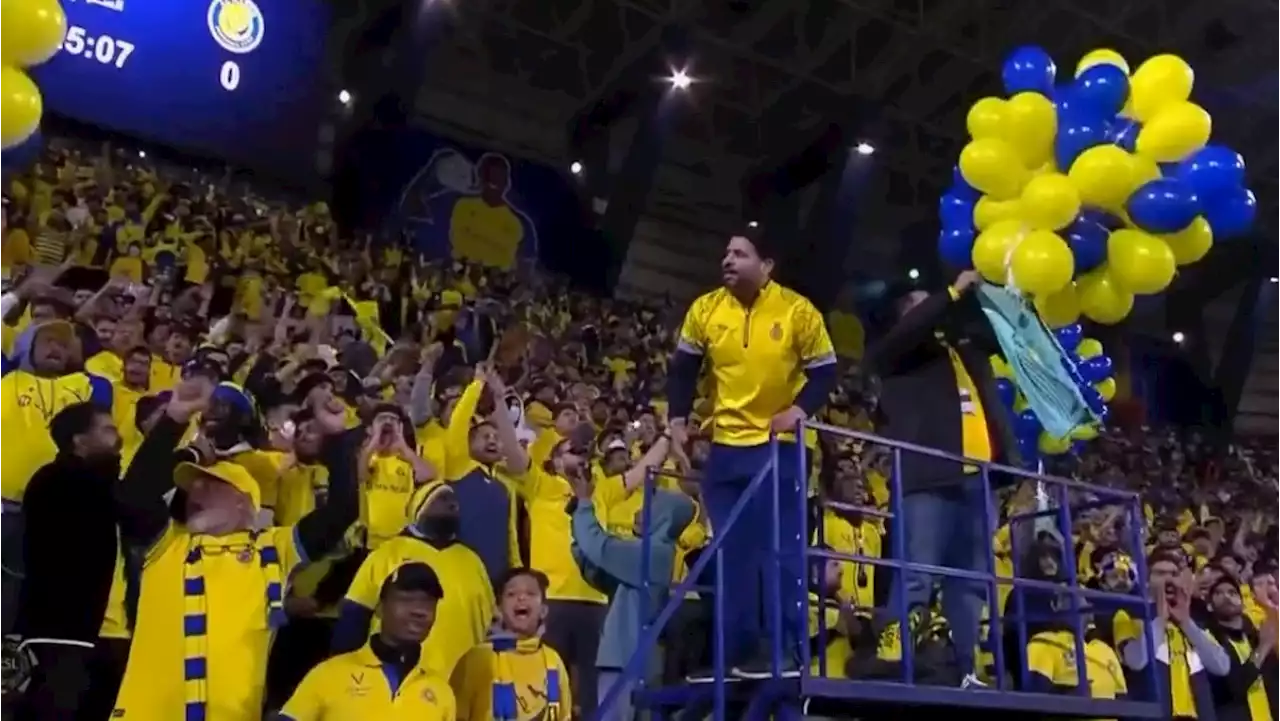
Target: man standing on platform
{"x": 937, "y": 391}
{"x": 772, "y": 365}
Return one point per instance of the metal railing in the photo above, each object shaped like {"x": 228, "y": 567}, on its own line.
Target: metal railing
{"x": 767, "y": 478}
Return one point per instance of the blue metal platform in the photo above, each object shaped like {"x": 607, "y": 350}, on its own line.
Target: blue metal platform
{"x": 813, "y": 693}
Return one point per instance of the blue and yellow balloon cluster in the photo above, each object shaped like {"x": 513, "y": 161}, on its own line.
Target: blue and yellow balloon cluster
{"x": 1086, "y": 194}
{"x": 1082, "y": 196}
{"x": 1093, "y": 372}
{"x": 31, "y": 31}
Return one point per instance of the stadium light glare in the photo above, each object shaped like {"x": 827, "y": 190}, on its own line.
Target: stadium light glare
{"x": 680, "y": 79}
{"x": 575, "y": 168}
{"x": 752, "y": 224}
{"x": 344, "y": 97}
{"x": 1178, "y": 337}
{"x": 913, "y": 274}
{"x": 864, "y": 149}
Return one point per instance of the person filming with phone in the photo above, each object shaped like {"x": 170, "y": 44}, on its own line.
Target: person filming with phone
{"x": 1186, "y": 654}
{"x": 389, "y": 471}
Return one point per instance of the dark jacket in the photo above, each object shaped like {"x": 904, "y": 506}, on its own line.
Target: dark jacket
{"x": 69, "y": 548}
{"x": 918, "y": 397}
{"x": 1231, "y": 692}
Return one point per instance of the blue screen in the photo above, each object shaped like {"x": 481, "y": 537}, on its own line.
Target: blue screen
{"x": 240, "y": 79}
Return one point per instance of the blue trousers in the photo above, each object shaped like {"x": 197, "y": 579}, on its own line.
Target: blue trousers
{"x": 947, "y": 527}
{"x": 747, "y": 546}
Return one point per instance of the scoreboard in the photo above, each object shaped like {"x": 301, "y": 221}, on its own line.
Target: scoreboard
{"x": 245, "y": 80}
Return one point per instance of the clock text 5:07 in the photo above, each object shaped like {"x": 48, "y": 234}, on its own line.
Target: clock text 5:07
{"x": 103, "y": 48}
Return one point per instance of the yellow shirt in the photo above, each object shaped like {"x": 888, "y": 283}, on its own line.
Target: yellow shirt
{"x": 163, "y": 375}
{"x": 546, "y": 495}
{"x": 463, "y": 615}
{"x": 757, "y": 355}
{"x": 857, "y": 580}
{"x": 115, "y": 622}
{"x": 1176, "y": 651}
{"x": 127, "y": 266}
{"x": 386, "y": 497}
{"x": 1052, "y": 654}
{"x": 238, "y": 634}
{"x": 473, "y": 678}
{"x": 431, "y": 445}
{"x": 297, "y": 491}
{"x": 355, "y": 687}
{"x": 106, "y": 364}
{"x": 27, "y": 403}
{"x": 486, "y": 234}
{"x": 838, "y": 651}
{"x": 124, "y": 404}
{"x": 973, "y": 419}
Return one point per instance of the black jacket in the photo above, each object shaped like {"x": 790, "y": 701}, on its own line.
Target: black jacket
{"x": 69, "y": 548}
{"x": 1231, "y": 692}
{"x": 918, "y": 398}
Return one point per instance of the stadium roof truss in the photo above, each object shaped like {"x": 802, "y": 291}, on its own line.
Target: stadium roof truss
{"x": 515, "y": 72}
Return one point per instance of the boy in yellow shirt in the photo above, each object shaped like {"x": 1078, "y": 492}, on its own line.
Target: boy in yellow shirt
{"x": 515, "y": 676}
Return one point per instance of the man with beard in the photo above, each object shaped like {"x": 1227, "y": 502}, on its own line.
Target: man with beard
{"x": 1248, "y": 691}
{"x": 64, "y": 596}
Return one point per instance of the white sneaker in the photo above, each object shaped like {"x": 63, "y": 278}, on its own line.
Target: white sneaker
{"x": 972, "y": 681}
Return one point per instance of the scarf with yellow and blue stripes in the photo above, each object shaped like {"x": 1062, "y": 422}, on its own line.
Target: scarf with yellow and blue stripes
{"x": 195, "y": 619}
{"x": 506, "y": 704}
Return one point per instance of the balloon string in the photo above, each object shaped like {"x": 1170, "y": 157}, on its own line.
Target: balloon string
{"x": 1009, "y": 281}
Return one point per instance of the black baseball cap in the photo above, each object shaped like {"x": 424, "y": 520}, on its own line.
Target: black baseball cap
{"x": 413, "y": 577}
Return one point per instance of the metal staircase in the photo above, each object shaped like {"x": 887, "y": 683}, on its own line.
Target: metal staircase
{"x": 814, "y": 692}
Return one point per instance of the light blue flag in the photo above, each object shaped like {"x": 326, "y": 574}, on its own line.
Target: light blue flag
{"x": 1037, "y": 361}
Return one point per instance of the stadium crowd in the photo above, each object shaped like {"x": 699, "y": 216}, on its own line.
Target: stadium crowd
{"x": 249, "y": 458}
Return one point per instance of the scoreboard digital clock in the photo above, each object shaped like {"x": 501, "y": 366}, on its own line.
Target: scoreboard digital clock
{"x": 245, "y": 80}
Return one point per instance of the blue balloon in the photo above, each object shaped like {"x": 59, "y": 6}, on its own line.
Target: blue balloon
{"x": 1164, "y": 205}
{"x": 1029, "y": 69}
{"x": 1101, "y": 90}
{"x": 1007, "y": 391}
{"x": 1230, "y": 213}
{"x": 1124, "y": 132}
{"x": 1093, "y": 399}
{"x": 955, "y": 245}
{"x": 1027, "y": 425}
{"x": 1212, "y": 169}
{"x": 1087, "y": 238}
{"x": 1076, "y": 135}
{"x": 1100, "y": 217}
{"x": 961, "y": 188}
{"x": 1029, "y": 449}
{"x": 1069, "y": 336}
{"x": 1096, "y": 369}
{"x": 955, "y": 212}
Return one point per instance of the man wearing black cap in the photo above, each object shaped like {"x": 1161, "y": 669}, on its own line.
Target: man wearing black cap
{"x": 387, "y": 677}
{"x": 773, "y": 366}
{"x": 936, "y": 390}
{"x": 1249, "y": 690}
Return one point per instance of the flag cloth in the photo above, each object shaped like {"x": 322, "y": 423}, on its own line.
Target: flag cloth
{"x": 1037, "y": 360}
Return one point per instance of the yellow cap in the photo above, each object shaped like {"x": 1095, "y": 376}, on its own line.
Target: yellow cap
{"x": 231, "y": 473}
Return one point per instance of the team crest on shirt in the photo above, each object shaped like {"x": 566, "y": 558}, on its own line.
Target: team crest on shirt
{"x": 776, "y": 331}
{"x": 236, "y": 25}
{"x": 428, "y": 695}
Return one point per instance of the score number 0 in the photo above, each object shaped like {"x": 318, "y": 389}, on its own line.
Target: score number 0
{"x": 229, "y": 75}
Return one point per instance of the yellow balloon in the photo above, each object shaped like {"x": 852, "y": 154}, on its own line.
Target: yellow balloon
{"x": 1139, "y": 262}
{"x": 1042, "y": 263}
{"x": 993, "y": 167}
{"x": 1101, "y": 299}
{"x": 1050, "y": 202}
{"x": 1103, "y": 176}
{"x": 1178, "y": 130}
{"x": 1106, "y": 388}
{"x": 1051, "y": 446}
{"x": 1084, "y": 433}
{"x": 992, "y": 246}
{"x": 1101, "y": 56}
{"x": 31, "y": 31}
{"x": 1020, "y": 403}
{"x": 1159, "y": 82}
{"x": 999, "y": 368}
{"x": 1030, "y": 126}
{"x": 1059, "y": 309}
{"x": 1191, "y": 243}
{"x": 986, "y": 118}
{"x": 1089, "y": 348}
{"x": 988, "y": 212}
{"x": 20, "y": 106}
